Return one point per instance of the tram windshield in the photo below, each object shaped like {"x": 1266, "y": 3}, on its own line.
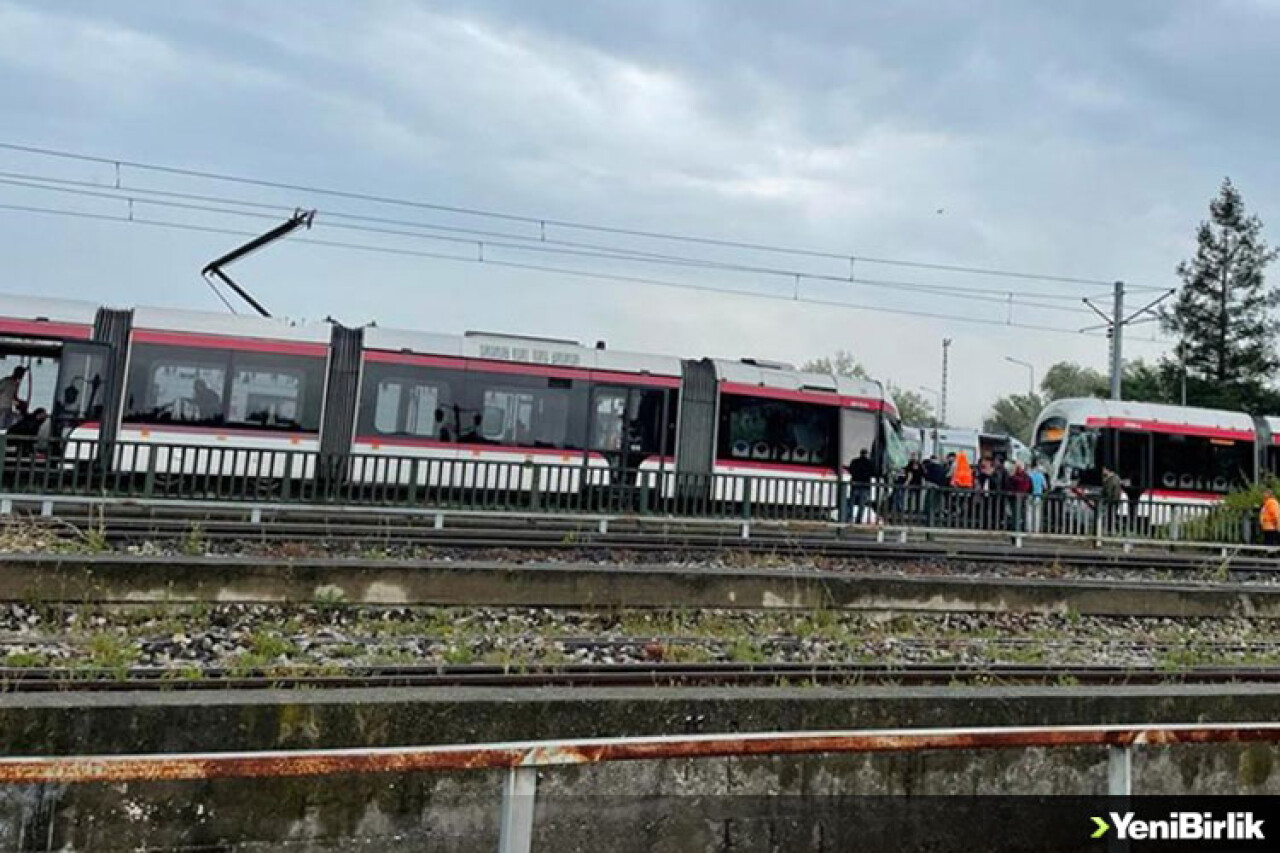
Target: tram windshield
{"x": 896, "y": 450}
{"x": 1048, "y": 438}
{"x": 1081, "y": 455}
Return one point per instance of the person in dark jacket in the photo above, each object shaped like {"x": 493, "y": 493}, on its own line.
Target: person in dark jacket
{"x": 861, "y": 472}
{"x": 935, "y": 473}
{"x": 1112, "y": 496}
{"x": 1019, "y": 484}
{"x": 913, "y": 479}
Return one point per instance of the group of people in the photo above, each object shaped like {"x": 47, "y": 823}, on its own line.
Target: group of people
{"x": 980, "y": 494}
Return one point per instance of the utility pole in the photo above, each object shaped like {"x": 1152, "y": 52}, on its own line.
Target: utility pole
{"x": 942, "y": 406}
{"x": 1182, "y": 362}
{"x": 1117, "y": 331}
{"x": 1114, "y": 323}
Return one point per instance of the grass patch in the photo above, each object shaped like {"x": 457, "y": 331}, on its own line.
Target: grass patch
{"x": 110, "y": 651}
{"x": 270, "y": 646}
{"x": 744, "y": 650}
{"x": 26, "y": 660}
{"x": 459, "y": 655}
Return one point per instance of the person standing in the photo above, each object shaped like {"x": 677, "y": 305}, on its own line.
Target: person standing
{"x": 1112, "y": 495}
{"x": 1269, "y": 519}
{"x": 861, "y": 472}
{"x": 9, "y": 388}
{"x": 1039, "y": 485}
{"x": 913, "y": 480}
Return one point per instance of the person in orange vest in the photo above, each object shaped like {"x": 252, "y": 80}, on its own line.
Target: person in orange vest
{"x": 961, "y": 506}
{"x": 1269, "y": 519}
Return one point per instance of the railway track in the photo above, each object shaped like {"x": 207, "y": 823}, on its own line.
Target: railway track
{"x": 628, "y": 675}
{"x": 560, "y": 536}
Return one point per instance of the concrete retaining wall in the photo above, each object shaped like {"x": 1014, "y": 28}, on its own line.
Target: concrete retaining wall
{"x": 137, "y": 579}
{"x": 794, "y": 803}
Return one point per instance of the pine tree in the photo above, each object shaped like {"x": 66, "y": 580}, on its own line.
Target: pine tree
{"x": 1222, "y": 315}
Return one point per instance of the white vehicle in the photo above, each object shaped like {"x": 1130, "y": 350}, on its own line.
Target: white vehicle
{"x": 941, "y": 441}
{"x": 1170, "y": 452}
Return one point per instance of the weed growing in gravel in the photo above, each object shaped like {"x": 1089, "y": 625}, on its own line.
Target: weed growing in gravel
{"x": 344, "y": 651}
{"x": 95, "y": 541}
{"x": 745, "y": 651}
{"x": 687, "y": 653}
{"x": 19, "y": 534}
{"x": 459, "y": 655}
{"x": 110, "y": 651}
{"x": 820, "y": 623}
{"x": 25, "y": 660}
{"x": 270, "y": 646}
{"x": 193, "y": 543}
{"x": 329, "y": 596}
{"x": 1025, "y": 654}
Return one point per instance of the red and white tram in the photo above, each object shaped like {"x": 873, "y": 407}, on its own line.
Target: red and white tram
{"x": 1169, "y": 453}
{"x": 168, "y": 381}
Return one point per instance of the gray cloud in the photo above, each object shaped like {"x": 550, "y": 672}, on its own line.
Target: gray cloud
{"x": 1072, "y": 138}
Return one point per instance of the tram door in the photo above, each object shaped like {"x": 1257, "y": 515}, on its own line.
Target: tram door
{"x": 627, "y": 426}
{"x": 1133, "y": 460}
{"x": 610, "y": 429}
{"x": 82, "y": 385}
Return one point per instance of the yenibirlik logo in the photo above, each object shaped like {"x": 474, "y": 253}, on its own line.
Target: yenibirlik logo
{"x": 1182, "y": 826}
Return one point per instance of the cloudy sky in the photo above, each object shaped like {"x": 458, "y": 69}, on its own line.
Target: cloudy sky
{"x": 1073, "y": 139}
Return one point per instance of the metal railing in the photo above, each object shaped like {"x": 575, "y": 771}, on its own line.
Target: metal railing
{"x": 522, "y": 760}
{"x": 587, "y": 484}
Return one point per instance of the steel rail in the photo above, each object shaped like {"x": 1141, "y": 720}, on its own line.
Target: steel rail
{"x": 518, "y": 536}
{"x": 43, "y": 680}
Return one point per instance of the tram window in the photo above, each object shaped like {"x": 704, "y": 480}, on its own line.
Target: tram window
{"x": 1272, "y": 461}
{"x": 768, "y": 430}
{"x": 673, "y": 419}
{"x": 275, "y": 391}
{"x": 630, "y": 420}
{"x": 409, "y": 401}
{"x": 1200, "y": 464}
{"x": 525, "y": 418}
{"x": 645, "y": 421}
{"x": 176, "y": 385}
{"x": 524, "y": 411}
{"x": 386, "y": 412}
{"x": 420, "y": 410}
{"x": 606, "y": 419}
{"x": 80, "y": 388}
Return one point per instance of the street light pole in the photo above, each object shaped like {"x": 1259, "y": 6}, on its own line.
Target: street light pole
{"x": 1031, "y": 389}
{"x": 933, "y": 447}
{"x": 942, "y": 401}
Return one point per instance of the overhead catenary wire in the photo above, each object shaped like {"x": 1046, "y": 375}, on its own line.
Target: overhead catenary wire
{"x": 128, "y": 192}
{"x": 25, "y": 179}
{"x": 603, "y": 276}
{"x": 1001, "y": 297}
{"x": 544, "y": 222}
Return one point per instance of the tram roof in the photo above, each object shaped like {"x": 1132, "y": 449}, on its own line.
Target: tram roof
{"x": 1091, "y": 411}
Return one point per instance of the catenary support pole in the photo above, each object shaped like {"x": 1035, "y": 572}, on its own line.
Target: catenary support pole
{"x": 942, "y": 406}
{"x": 1117, "y": 329}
